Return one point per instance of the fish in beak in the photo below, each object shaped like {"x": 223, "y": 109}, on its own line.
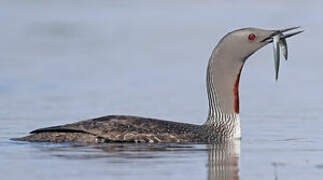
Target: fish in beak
{"x": 279, "y": 41}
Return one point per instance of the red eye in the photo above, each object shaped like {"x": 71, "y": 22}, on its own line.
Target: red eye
{"x": 252, "y": 37}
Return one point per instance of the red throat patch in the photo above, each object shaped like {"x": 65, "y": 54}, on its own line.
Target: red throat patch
{"x": 236, "y": 92}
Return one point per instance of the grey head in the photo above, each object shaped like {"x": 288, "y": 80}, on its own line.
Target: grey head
{"x": 225, "y": 66}
{"x": 247, "y": 41}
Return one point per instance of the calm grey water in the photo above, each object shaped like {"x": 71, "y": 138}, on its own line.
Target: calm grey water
{"x": 63, "y": 61}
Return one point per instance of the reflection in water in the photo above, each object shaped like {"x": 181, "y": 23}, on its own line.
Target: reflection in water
{"x": 223, "y": 158}
{"x": 224, "y": 161}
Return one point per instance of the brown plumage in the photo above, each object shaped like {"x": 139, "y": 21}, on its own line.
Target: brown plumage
{"x": 123, "y": 129}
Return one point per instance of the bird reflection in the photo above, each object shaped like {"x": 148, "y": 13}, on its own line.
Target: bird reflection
{"x": 222, "y": 164}
{"x": 223, "y": 161}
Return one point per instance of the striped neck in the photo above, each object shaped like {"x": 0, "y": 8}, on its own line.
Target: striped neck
{"x": 223, "y": 75}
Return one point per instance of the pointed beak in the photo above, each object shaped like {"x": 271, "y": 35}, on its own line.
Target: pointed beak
{"x": 269, "y": 39}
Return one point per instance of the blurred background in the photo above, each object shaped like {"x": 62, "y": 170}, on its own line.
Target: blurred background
{"x": 63, "y": 61}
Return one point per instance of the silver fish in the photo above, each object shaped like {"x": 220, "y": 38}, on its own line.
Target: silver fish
{"x": 283, "y": 45}
{"x": 276, "y": 47}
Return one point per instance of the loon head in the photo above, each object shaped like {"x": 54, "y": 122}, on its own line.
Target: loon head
{"x": 242, "y": 43}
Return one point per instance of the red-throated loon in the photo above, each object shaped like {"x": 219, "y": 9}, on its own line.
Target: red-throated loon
{"x": 223, "y": 122}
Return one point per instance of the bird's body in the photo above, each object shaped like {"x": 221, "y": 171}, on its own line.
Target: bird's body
{"x": 223, "y": 122}
{"x": 126, "y": 129}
